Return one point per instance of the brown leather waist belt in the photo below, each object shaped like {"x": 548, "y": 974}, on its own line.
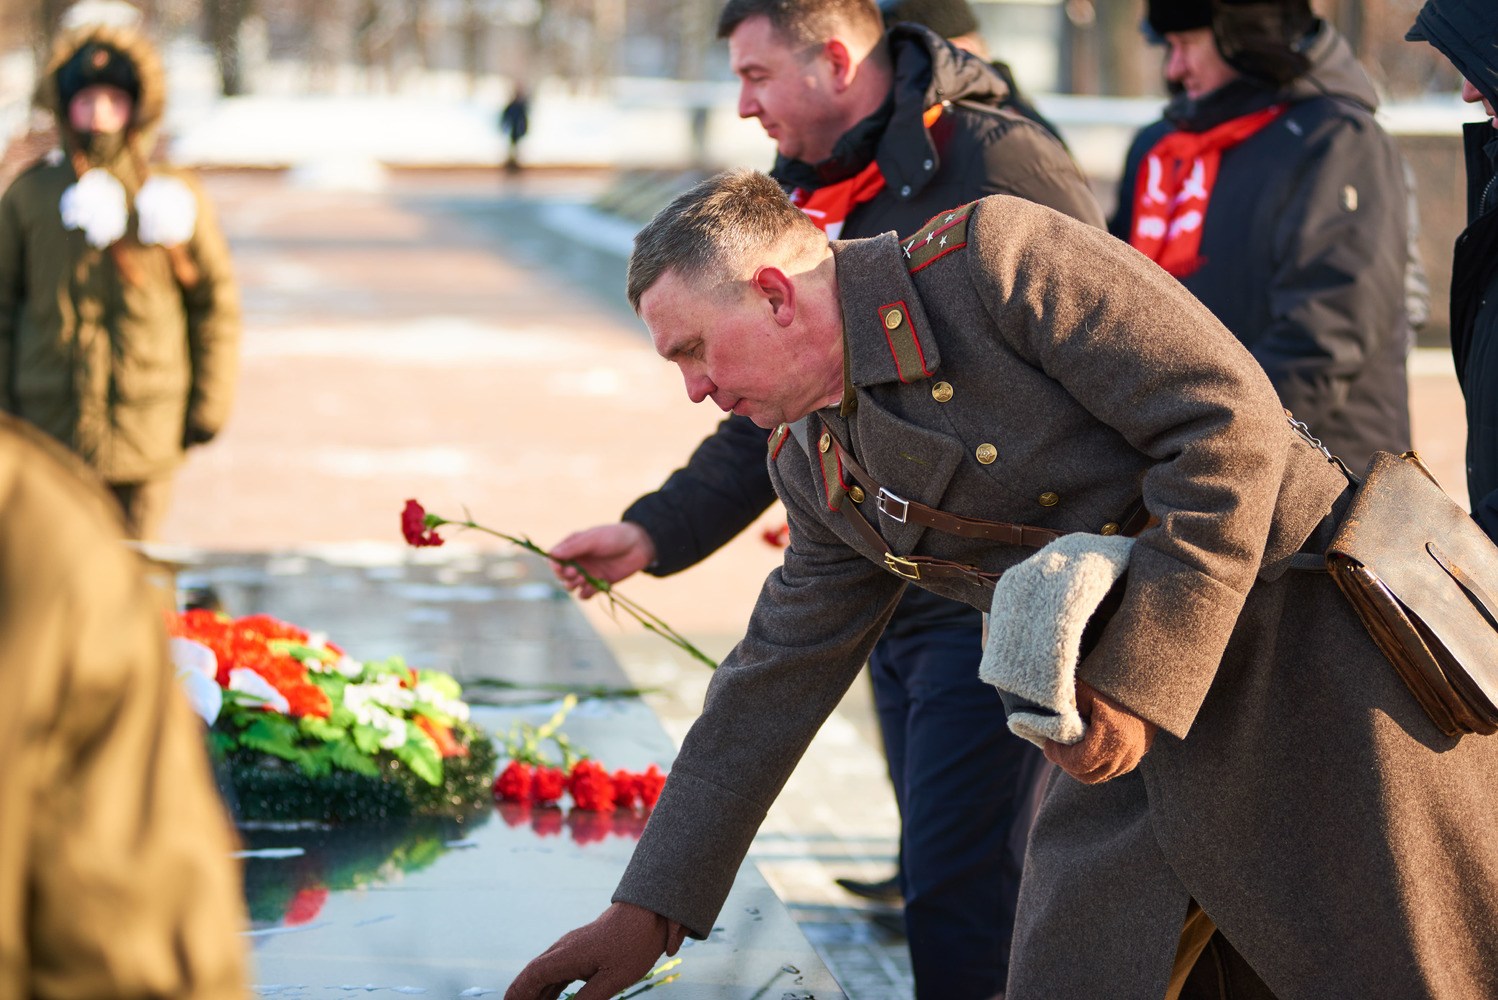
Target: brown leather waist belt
{"x": 929, "y": 567}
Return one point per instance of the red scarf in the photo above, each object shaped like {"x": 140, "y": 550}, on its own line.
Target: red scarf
{"x": 1174, "y": 186}
{"x": 830, "y": 206}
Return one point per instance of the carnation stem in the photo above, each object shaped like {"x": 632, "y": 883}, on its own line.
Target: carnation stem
{"x": 616, "y": 599}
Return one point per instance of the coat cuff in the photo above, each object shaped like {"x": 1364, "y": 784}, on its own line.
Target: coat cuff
{"x": 686, "y": 860}
{"x": 1160, "y": 653}
{"x": 672, "y": 551}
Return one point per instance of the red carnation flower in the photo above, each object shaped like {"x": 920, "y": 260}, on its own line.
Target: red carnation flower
{"x": 777, "y": 538}
{"x": 416, "y": 526}
{"x": 550, "y": 783}
{"x": 592, "y": 788}
{"x": 514, "y": 783}
{"x": 649, "y": 785}
{"x": 626, "y": 787}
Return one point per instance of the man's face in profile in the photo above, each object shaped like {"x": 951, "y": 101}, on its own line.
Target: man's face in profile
{"x": 789, "y": 91}
{"x": 730, "y": 349}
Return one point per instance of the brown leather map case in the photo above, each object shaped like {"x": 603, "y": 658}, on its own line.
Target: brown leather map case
{"x": 1424, "y": 580}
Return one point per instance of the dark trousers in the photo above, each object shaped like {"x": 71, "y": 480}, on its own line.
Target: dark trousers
{"x": 965, "y": 785}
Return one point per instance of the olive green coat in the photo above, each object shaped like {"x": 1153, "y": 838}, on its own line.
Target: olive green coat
{"x": 115, "y": 871}
{"x": 123, "y": 372}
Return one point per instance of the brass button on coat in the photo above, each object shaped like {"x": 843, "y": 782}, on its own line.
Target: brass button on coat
{"x": 826, "y": 441}
{"x": 1110, "y": 528}
{"x": 941, "y": 391}
{"x": 1049, "y": 499}
{"x": 987, "y": 453}
{"x": 892, "y": 319}
{"x": 857, "y": 494}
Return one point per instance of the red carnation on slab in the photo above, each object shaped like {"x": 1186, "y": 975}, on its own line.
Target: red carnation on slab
{"x": 418, "y": 527}
{"x": 592, "y": 788}
{"x": 777, "y": 538}
{"x": 625, "y": 789}
{"x": 549, "y": 785}
{"x": 306, "y": 905}
{"x": 648, "y": 785}
{"x": 514, "y": 783}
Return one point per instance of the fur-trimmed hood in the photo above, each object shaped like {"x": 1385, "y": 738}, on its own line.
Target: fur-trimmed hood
{"x": 150, "y": 103}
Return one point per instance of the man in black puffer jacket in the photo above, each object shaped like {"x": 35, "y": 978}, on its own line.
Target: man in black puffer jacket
{"x": 1270, "y": 191}
{"x": 875, "y": 133}
{"x": 1466, "y": 32}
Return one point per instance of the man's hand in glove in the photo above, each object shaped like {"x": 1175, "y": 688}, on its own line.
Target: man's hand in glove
{"x": 1115, "y": 741}
{"x": 612, "y": 953}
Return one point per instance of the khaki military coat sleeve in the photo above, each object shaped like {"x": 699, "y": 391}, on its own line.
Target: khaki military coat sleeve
{"x": 213, "y": 324}
{"x": 115, "y": 871}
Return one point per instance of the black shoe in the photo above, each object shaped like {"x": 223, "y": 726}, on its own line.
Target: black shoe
{"x": 892, "y": 922}
{"x": 887, "y": 891}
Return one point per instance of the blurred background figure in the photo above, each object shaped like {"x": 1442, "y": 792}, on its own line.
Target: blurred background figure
{"x": 514, "y": 122}
{"x": 1271, "y": 192}
{"x": 119, "y": 316}
{"x": 1466, "y": 32}
{"x": 115, "y": 870}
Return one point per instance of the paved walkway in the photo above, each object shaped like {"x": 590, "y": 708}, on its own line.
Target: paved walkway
{"x": 439, "y": 341}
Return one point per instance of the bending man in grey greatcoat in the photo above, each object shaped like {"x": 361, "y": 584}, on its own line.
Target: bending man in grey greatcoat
{"x": 1249, "y": 751}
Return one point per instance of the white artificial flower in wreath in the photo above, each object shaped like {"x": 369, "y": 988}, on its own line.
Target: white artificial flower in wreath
{"x": 96, "y": 205}
{"x": 167, "y": 210}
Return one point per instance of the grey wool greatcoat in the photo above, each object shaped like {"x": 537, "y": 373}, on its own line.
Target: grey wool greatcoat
{"x": 1295, "y": 788}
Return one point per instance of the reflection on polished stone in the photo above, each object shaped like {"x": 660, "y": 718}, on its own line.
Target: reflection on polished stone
{"x": 443, "y": 908}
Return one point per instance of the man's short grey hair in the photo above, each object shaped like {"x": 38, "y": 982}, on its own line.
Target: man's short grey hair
{"x": 716, "y": 227}
{"x": 805, "y": 22}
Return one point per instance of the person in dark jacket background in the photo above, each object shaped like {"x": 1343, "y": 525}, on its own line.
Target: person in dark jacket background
{"x": 1466, "y": 32}
{"x": 875, "y": 132}
{"x": 1269, "y": 190}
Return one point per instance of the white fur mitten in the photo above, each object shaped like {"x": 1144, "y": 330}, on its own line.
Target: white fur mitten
{"x": 1040, "y": 610}
{"x": 167, "y": 211}
{"x": 96, "y": 205}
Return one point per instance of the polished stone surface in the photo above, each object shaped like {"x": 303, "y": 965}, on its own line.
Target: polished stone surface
{"x": 444, "y": 909}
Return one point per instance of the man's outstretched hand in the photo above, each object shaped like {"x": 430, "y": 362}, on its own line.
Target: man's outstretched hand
{"x": 1115, "y": 741}
{"x": 610, "y": 552}
{"x": 612, "y": 954}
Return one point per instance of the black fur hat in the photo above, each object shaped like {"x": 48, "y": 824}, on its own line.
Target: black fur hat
{"x": 1179, "y": 15}
{"x": 96, "y": 64}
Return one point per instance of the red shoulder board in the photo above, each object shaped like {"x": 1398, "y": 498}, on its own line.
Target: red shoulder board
{"x": 943, "y": 234}
{"x": 777, "y": 439}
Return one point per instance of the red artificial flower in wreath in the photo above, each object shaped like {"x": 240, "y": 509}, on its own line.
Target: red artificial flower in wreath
{"x": 447, "y": 743}
{"x": 414, "y": 526}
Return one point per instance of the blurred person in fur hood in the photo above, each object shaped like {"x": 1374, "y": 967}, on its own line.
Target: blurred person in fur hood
{"x": 119, "y": 315}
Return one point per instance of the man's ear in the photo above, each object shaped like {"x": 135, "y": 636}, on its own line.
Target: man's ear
{"x": 841, "y": 64}
{"x": 778, "y": 291}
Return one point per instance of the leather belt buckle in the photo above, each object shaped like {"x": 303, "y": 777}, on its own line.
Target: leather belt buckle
{"x": 886, "y": 497}
{"x": 901, "y": 566}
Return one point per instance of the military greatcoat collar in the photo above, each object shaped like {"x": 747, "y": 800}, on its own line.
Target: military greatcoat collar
{"x": 878, "y": 348}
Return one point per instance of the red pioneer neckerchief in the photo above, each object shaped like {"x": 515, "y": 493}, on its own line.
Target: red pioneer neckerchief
{"x": 830, "y": 206}
{"x": 1174, "y": 186}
